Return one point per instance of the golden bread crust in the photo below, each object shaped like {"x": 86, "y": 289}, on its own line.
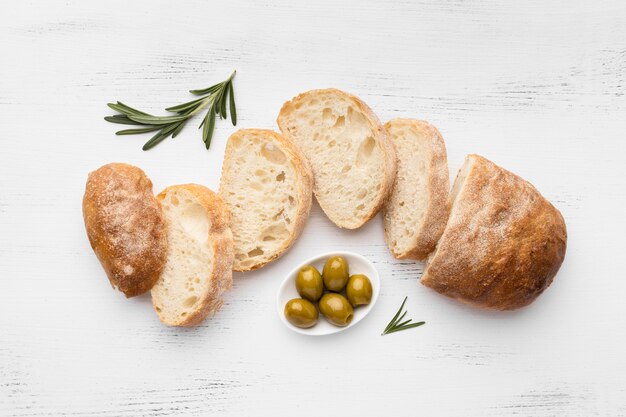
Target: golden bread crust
{"x": 125, "y": 227}
{"x": 503, "y": 244}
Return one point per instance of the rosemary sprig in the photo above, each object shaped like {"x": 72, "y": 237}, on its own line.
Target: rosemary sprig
{"x": 213, "y": 97}
{"x": 396, "y": 324}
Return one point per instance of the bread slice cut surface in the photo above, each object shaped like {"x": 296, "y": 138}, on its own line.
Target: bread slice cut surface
{"x": 417, "y": 210}
{"x": 198, "y": 268}
{"x": 503, "y": 244}
{"x": 267, "y": 185}
{"x": 353, "y": 162}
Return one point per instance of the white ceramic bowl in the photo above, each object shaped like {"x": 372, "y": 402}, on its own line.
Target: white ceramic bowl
{"x": 357, "y": 265}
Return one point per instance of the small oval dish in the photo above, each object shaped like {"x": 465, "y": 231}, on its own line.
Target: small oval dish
{"x": 357, "y": 264}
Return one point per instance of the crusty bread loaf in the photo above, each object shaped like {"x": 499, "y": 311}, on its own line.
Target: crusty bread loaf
{"x": 125, "y": 227}
{"x": 417, "y": 210}
{"x": 266, "y": 184}
{"x": 353, "y": 162}
{"x": 199, "y": 256}
{"x": 503, "y": 243}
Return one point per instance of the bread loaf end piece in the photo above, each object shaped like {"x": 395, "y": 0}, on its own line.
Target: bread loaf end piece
{"x": 503, "y": 244}
{"x": 125, "y": 227}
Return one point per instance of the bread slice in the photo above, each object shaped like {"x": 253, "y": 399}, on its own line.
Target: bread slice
{"x": 125, "y": 226}
{"x": 199, "y": 257}
{"x": 266, "y": 184}
{"x": 503, "y": 244}
{"x": 353, "y": 162}
{"x": 417, "y": 210}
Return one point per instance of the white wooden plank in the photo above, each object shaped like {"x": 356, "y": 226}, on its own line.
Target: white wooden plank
{"x": 538, "y": 87}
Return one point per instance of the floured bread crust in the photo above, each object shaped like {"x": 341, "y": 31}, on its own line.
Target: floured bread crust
{"x": 503, "y": 244}
{"x": 125, "y": 227}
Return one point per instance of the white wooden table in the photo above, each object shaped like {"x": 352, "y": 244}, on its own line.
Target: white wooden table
{"x": 536, "y": 86}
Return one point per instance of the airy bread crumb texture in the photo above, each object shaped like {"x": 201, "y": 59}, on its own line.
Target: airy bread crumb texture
{"x": 185, "y": 280}
{"x": 406, "y": 208}
{"x": 342, "y": 140}
{"x": 266, "y": 184}
{"x": 417, "y": 209}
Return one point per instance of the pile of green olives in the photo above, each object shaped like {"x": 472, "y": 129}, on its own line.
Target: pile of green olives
{"x": 335, "y": 292}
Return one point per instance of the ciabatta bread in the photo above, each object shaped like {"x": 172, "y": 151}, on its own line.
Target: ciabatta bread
{"x": 417, "y": 210}
{"x": 199, "y": 256}
{"x": 503, "y": 243}
{"x": 125, "y": 227}
{"x": 353, "y": 162}
{"x": 266, "y": 183}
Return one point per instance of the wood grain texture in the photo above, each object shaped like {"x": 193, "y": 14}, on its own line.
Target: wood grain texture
{"x": 538, "y": 87}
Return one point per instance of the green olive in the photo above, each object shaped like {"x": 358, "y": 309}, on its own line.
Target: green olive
{"x": 335, "y": 273}
{"x": 336, "y": 308}
{"x": 309, "y": 283}
{"x": 301, "y": 313}
{"x": 359, "y": 290}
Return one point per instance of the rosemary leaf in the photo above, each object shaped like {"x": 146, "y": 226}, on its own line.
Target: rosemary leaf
{"x": 233, "y": 111}
{"x": 157, "y": 120}
{"x": 213, "y": 97}
{"x": 393, "y": 320}
{"x": 218, "y": 101}
{"x": 179, "y": 128}
{"x": 209, "y": 125}
{"x": 403, "y": 323}
{"x": 128, "y": 108}
{"x": 410, "y": 326}
{"x": 138, "y": 131}
{"x": 396, "y": 324}
{"x": 124, "y": 109}
{"x": 186, "y": 106}
{"x": 223, "y": 114}
{"x": 154, "y": 141}
{"x": 159, "y": 137}
{"x": 209, "y": 90}
{"x": 399, "y": 319}
{"x": 121, "y": 119}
